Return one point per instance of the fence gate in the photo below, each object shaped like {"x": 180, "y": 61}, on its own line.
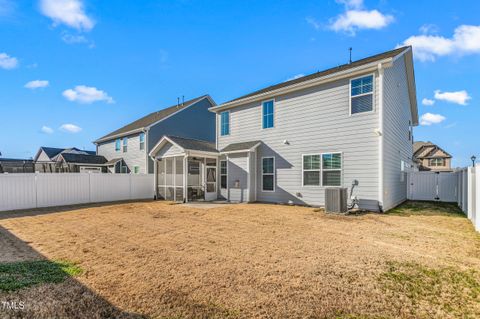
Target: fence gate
{"x": 432, "y": 186}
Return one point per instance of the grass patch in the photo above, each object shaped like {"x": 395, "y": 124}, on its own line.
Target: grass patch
{"x": 17, "y": 275}
{"x": 448, "y": 290}
{"x": 410, "y": 208}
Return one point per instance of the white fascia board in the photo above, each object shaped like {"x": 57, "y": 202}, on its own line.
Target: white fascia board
{"x": 160, "y": 144}
{"x": 137, "y": 130}
{"x": 251, "y": 149}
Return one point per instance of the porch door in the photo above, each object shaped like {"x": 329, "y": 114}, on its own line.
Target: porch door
{"x": 211, "y": 180}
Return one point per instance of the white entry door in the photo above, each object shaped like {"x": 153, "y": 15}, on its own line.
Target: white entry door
{"x": 211, "y": 183}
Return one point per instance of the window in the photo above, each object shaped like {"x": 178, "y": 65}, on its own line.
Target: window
{"x": 125, "y": 144}
{"x": 332, "y": 169}
{"x": 224, "y": 123}
{"x": 123, "y": 169}
{"x": 268, "y": 174}
{"x": 223, "y": 174}
{"x": 361, "y": 95}
{"x": 437, "y": 162}
{"x": 136, "y": 169}
{"x": 142, "y": 141}
{"x": 117, "y": 145}
{"x": 267, "y": 114}
{"x": 311, "y": 170}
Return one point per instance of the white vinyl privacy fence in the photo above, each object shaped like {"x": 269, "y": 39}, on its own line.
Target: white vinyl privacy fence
{"x": 23, "y": 191}
{"x": 461, "y": 187}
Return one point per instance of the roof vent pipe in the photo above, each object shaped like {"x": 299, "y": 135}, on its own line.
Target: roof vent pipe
{"x": 183, "y": 100}
{"x": 178, "y": 102}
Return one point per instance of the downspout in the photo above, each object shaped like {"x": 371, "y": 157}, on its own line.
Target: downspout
{"x": 380, "y": 138}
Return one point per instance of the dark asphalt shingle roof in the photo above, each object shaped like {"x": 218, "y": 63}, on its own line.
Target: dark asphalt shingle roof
{"x": 194, "y": 145}
{"x": 52, "y": 151}
{"x": 83, "y": 159}
{"x": 319, "y": 74}
{"x": 151, "y": 118}
{"x": 239, "y": 146}
{"x": 16, "y": 160}
{"x": 114, "y": 161}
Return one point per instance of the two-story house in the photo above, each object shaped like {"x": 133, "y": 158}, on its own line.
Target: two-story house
{"x": 431, "y": 157}
{"x": 127, "y": 148}
{"x": 288, "y": 142}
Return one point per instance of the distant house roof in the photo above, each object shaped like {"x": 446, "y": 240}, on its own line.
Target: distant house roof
{"x": 113, "y": 161}
{"x": 2, "y": 159}
{"x": 52, "y": 152}
{"x": 151, "y": 118}
{"x": 193, "y": 144}
{"x": 240, "y": 147}
{"x": 280, "y": 88}
{"x": 83, "y": 159}
{"x": 419, "y": 146}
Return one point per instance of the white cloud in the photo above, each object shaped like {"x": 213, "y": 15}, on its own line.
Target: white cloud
{"x": 37, "y": 84}
{"x": 86, "y": 95}
{"x": 353, "y": 20}
{"x": 428, "y": 28}
{"x": 465, "y": 40}
{"x": 67, "y": 12}
{"x": 429, "y": 102}
{"x": 295, "y": 77}
{"x": 355, "y": 4}
{"x": 70, "y": 128}
{"x": 430, "y": 118}
{"x": 314, "y": 23}
{"x": 46, "y": 130}
{"x": 73, "y": 39}
{"x": 7, "y": 62}
{"x": 458, "y": 97}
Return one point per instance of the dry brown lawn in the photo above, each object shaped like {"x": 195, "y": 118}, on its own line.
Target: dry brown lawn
{"x": 159, "y": 260}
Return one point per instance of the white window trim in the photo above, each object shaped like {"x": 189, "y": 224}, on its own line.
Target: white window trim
{"x": 332, "y": 169}
{"x": 273, "y": 174}
{"x": 125, "y": 145}
{"x": 221, "y": 125}
{"x": 312, "y": 170}
{"x": 274, "y": 113}
{"x": 363, "y": 94}
{"x": 119, "y": 145}
{"x": 136, "y": 166}
{"x": 226, "y": 167}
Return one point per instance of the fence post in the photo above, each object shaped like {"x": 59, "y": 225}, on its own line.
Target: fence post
{"x": 471, "y": 193}
{"x": 476, "y": 193}
{"x": 36, "y": 190}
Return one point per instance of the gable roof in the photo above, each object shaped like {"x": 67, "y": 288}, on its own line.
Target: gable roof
{"x": 51, "y": 151}
{"x": 83, "y": 159}
{"x": 419, "y": 146}
{"x": 328, "y": 74}
{"x": 185, "y": 144}
{"x": 240, "y": 147}
{"x": 152, "y": 118}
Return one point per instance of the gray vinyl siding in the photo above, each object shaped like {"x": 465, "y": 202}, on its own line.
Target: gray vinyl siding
{"x": 43, "y": 157}
{"x": 397, "y": 146}
{"x": 313, "y": 121}
{"x": 194, "y": 121}
{"x": 169, "y": 150}
{"x": 237, "y": 171}
{"x": 133, "y": 157}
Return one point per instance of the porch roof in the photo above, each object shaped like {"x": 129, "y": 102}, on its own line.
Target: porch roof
{"x": 185, "y": 145}
{"x": 241, "y": 147}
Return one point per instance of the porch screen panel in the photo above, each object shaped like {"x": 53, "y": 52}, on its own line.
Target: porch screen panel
{"x": 161, "y": 179}
{"x": 179, "y": 179}
{"x": 169, "y": 178}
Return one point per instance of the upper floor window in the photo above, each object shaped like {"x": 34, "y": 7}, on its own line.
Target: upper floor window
{"x": 142, "y": 141}
{"x": 267, "y": 114}
{"x": 117, "y": 145}
{"x": 125, "y": 144}
{"x": 225, "y": 123}
{"x": 437, "y": 162}
{"x": 361, "y": 94}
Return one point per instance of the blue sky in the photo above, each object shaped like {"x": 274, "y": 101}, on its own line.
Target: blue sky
{"x": 74, "y": 70}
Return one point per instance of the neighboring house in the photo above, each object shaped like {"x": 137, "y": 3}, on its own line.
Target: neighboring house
{"x": 431, "y": 157}
{"x": 288, "y": 142}
{"x": 80, "y": 163}
{"x": 46, "y": 159}
{"x": 127, "y": 148}
{"x": 15, "y": 165}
